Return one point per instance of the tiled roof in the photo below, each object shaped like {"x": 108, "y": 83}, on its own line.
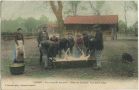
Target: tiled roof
{"x": 102, "y": 19}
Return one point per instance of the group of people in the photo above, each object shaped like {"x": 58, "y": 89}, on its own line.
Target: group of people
{"x": 93, "y": 44}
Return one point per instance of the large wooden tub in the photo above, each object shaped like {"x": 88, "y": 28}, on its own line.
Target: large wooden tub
{"x": 73, "y": 63}
{"x": 17, "y": 68}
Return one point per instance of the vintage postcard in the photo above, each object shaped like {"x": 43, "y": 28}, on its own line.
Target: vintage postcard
{"x": 69, "y": 45}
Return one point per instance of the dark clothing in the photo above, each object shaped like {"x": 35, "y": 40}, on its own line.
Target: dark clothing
{"x": 85, "y": 39}
{"x": 99, "y": 41}
{"x": 98, "y": 48}
{"x": 19, "y": 36}
{"x": 42, "y": 36}
{"x": 79, "y": 41}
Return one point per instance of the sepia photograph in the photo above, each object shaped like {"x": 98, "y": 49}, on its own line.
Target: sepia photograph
{"x": 69, "y": 45}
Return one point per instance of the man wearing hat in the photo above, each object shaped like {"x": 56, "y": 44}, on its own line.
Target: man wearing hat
{"x": 43, "y": 35}
{"x": 98, "y": 47}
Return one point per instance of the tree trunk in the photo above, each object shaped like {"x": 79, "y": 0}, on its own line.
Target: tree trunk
{"x": 125, "y": 15}
{"x": 58, "y": 13}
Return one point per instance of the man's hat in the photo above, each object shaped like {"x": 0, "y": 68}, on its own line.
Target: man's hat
{"x": 19, "y": 29}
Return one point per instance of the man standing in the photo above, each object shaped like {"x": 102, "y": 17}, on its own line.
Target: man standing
{"x": 98, "y": 47}
{"x": 19, "y": 44}
{"x": 43, "y": 35}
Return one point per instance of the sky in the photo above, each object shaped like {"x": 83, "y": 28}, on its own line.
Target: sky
{"x": 25, "y": 9}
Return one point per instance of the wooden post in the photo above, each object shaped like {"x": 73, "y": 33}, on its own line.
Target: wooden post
{"x": 112, "y": 33}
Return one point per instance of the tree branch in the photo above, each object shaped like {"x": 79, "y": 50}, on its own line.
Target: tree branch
{"x": 60, "y": 6}
{"x": 93, "y": 7}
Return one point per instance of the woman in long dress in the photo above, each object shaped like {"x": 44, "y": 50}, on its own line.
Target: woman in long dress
{"x": 19, "y": 44}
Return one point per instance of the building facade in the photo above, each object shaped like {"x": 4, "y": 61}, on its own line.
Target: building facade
{"x": 78, "y": 24}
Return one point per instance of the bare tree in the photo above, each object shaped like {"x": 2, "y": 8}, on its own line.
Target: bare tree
{"x": 57, "y": 8}
{"x": 125, "y": 7}
{"x": 96, "y": 6}
{"x": 0, "y": 7}
{"x": 74, "y": 7}
{"x": 134, "y": 5}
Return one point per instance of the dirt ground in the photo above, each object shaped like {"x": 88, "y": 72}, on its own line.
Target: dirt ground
{"x": 38, "y": 78}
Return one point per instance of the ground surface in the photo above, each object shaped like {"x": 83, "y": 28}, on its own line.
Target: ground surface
{"x": 20, "y": 83}
{"x": 34, "y": 72}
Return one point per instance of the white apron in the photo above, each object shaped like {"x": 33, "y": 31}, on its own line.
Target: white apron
{"x": 20, "y": 46}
